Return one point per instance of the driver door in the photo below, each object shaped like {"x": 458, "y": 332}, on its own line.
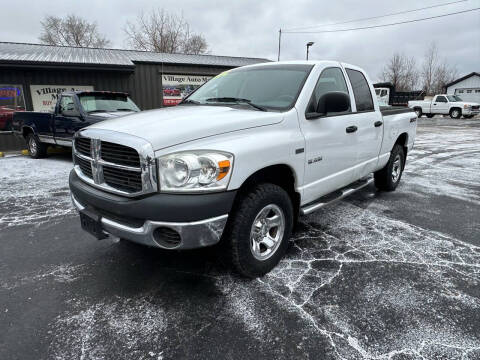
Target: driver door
{"x": 67, "y": 120}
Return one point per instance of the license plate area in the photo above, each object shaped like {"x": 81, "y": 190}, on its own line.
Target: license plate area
{"x": 92, "y": 224}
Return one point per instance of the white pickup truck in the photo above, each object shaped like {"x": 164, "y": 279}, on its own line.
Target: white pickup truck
{"x": 239, "y": 160}
{"x": 443, "y": 104}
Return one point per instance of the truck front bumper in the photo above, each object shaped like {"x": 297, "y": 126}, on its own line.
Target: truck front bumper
{"x": 160, "y": 220}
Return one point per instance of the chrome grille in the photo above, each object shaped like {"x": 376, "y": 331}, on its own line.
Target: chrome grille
{"x": 119, "y": 154}
{"x": 114, "y": 167}
{"x": 85, "y": 166}
{"x": 126, "y": 180}
{"x": 82, "y": 145}
{"x": 475, "y": 107}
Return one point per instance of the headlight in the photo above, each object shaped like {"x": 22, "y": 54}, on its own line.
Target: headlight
{"x": 466, "y": 106}
{"x": 195, "y": 171}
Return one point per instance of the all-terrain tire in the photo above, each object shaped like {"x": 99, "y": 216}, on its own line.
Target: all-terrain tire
{"x": 237, "y": 236}
{"x": 387, "y": 179}
{"x": 36, "y": 149}
{"x": 455, "y": 113}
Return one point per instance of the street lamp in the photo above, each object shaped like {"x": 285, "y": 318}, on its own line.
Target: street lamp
{"x": 310, "y": 43}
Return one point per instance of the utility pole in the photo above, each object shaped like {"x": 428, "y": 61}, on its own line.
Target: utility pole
{"x": 279, "y": 42}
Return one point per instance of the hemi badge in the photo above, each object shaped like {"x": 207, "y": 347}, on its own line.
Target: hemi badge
{"x": 299, "y": 151}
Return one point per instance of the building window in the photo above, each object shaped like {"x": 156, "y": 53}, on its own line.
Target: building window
{"x": 469, "y": 91}
{"x": 460, "y": 91}
{"x": 11, "y": 100}
{"x": 477, "y": 91}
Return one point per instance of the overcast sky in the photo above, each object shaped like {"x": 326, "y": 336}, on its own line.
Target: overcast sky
{"x": 250, "y": 27}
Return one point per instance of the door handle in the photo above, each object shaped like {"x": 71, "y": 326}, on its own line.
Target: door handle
{"x": 434, "y": 104}
{"x": 378, "y": 123}
{"x": 351, "y": 129}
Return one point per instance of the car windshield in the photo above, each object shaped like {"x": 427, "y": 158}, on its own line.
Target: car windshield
{"x": 107, "y": 103}
{"x": 271, "y": 87}
{"x": 453, "y": 98}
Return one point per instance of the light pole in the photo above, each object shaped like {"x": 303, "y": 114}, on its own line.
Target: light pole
{"x": 310, "y": 43}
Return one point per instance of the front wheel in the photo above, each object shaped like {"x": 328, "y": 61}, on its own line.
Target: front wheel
{"x": 418, "y": 111}
{"x": 258, "y": 230}
{"x": 455, "y": 113}
{"x": 36, "y": 149}
{"x": 388, "y": 178}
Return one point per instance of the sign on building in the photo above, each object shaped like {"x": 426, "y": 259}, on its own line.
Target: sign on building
{"x": 177, "y": 87}
{"x": 44, "y": 97}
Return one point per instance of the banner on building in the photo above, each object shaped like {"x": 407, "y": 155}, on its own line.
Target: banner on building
{"x": 44, "y": 97}
{"x": 177, "y": 87}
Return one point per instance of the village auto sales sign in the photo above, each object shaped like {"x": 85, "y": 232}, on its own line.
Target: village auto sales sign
{"x": 177, "y": 87}
{"x": 44, "y": 97}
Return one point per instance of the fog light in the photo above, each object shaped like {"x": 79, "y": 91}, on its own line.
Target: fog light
{"x": 167, "y": 237}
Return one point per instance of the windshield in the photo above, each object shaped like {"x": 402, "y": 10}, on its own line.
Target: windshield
{"x": 454, "y": 98}
{"x": 107, "y": 103}
{"x": 274, "y": 87}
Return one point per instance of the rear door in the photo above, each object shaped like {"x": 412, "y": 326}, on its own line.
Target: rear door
{"x": 330, "y": 149}
{"x": 369, "y": 122}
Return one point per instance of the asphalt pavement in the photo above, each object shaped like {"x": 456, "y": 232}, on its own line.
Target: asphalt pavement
{"x": 375, "y": 276}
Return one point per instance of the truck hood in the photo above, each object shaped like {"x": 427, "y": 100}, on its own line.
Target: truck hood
{"x": 171, "y": 126}
{"x": 110, "y": 115}
{"x": 469, "y": 103}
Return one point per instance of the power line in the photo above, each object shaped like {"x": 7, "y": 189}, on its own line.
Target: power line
{"x": 374, "y": 17}
{"x": 378, "y": 26}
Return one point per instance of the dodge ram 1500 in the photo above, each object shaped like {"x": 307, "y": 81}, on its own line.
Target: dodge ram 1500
{"x": 73, "y": 111}
{"x": 239, "y": 160}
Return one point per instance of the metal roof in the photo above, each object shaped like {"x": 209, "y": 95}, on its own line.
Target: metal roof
{"x": 69, "y": 55}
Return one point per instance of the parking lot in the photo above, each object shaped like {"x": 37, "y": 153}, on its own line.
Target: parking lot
{"x": 377, "y": 275}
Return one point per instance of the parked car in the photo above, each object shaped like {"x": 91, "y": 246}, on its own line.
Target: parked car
{"x": 444, "y": 104}
{"x": 171, "y": 92}
{"x": 6, "y": 116}
{"x": 239, "y": 159}
{"x": 73, "y": 111}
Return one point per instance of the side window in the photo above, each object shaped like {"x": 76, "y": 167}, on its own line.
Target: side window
{"x": 361, "y": 90}
{"x": 441, "y": 99}
{"x": 331, "y": 79}
{"x": 66, "y": 103}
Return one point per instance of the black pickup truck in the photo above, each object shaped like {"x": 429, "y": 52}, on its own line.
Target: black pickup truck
{"x": 73, "y": 111}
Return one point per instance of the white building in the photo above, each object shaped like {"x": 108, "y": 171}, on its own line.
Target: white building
{"x": 467, "y": 87}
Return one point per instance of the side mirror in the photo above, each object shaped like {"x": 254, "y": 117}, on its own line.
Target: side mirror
{"x": 333, "y": 101}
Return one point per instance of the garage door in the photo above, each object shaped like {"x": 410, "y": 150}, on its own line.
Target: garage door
{"x": 472, "y": 95}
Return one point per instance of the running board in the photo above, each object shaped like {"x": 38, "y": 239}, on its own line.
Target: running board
{"x": 335, "y": 196}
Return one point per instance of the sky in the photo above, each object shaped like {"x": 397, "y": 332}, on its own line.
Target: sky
{"x": 250, "y": 27}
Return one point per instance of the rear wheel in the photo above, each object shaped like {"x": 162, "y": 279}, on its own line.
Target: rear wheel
{"x": 468, "y": 116}
{"x": 258, "y": 230}
{"x": 388, "y": 178}
{"x": 418, "y": 111}
{"x": 36, "y": 149}
{"x": 455, "y": 113}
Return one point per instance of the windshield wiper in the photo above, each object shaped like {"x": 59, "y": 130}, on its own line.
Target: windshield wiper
{"x": 98, "y": 110}
{"x": 238, "y": 101}
{"x": 125, "y": 109}
{"x": 187, "y": 101}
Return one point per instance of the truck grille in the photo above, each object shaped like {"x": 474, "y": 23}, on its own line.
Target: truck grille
{"x": 85, "y": 166}
{"x": 119, "y": 154}
{"x": 129, "y": 181}
{"x": 475, "y": 107}
{"x": 114, "y": 167}
{"x": 82, "y": 145}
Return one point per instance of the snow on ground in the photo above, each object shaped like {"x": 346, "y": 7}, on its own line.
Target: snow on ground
{"x": 357, "y": 283}
{"x": 33, "y": 191}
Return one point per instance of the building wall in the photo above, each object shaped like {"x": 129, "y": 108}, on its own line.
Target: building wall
{"x": 471, "y": 84}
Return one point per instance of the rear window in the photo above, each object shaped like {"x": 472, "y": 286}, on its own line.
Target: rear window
{"x": 361, "y": 90}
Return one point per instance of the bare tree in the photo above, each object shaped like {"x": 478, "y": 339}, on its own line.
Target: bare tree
{"x": 71, "y": 31}
{"x": 160, "y": 31}
{"x": 436, "y": 73}
{"x": 401, "y": 72}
